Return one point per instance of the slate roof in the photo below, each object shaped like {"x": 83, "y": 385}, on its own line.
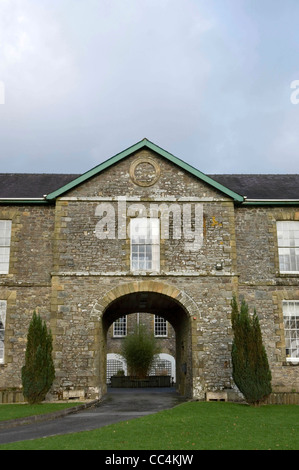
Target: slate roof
{"x": 254, "y": 186}
{"x": 265, "y": 187}
{"x": 262, "y": 186}
{"x": 28, "y": 185}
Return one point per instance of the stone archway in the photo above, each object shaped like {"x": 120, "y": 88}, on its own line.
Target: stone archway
{"x": 157, "y": 298}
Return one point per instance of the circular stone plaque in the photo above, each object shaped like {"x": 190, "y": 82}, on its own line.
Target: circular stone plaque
{"x": 144, "y": 171}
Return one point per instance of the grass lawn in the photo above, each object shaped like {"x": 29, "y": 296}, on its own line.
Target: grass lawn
{"x": 23, "y": 410}
{"x": 189, "y": 426}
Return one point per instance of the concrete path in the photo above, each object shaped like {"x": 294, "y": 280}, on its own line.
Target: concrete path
{"x": 117, "y": 405}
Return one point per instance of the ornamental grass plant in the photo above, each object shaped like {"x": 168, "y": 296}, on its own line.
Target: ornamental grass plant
{"x": 139, "y": 350}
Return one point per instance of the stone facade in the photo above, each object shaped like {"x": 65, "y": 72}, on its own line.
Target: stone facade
{"x": 70, "y": 260}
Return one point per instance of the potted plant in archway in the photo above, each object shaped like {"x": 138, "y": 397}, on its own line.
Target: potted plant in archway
{"x": 139, "y": 350}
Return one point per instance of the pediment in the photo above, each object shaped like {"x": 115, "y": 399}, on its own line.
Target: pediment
{"x": 143, "y": 169}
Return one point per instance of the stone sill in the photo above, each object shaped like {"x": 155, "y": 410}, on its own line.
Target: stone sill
{"x": 287, "y": 275}
{"x": 290, "y": 363}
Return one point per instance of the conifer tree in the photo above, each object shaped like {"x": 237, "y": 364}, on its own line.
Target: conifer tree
{"x": 38, "y": 372}
{"x": 251, "y": 371}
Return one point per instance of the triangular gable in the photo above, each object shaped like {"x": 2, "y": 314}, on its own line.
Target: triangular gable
{"x": 163, "y": 153}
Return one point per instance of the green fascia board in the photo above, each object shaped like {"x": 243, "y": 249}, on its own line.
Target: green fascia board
{"x": 265, "y": 202}
{"x": 139, "y": 145}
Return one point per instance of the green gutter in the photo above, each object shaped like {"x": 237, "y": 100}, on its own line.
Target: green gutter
{"x": 270, "y": 203}
{"x": 23, "y": 201}
{"x": 245, "y": 203}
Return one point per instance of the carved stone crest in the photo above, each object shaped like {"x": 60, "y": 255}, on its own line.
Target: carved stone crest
{"x": 145, "y": 171}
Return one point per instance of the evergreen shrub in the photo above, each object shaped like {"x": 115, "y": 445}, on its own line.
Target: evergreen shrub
{"x": 251, "y": 372}
{"x": 38, "y": 373}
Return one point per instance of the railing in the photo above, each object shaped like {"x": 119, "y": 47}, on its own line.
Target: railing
{"x": 283, "y": 398}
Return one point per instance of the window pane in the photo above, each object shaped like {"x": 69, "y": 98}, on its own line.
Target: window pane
{"x": 142, "y": 264}
{"x": 2, "y": 328}
{"x": 3, "y": 268}
{"x": 148, "y": 252}
{"x": 145, "y": 244}
{"x": 120, "y": 327}
{"x": 291, "y": 326}
{"x": 284, "y": 259}
{"x": 5, "y": 236}
{"x": 134, "y": 265}
{"x": 156, "y": 258}
{"x": 139, "y": 230}
{"x": 4, "y": 241}
{"x": 148, "y": 264}
{"x": 160, "y": 326}
{"x": 288, "y": 246}
{"x": 155, "y": 231}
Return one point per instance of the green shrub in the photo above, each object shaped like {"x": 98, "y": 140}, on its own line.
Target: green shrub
{"x": 139, "y": 350}
{"x": 251, "y": 371}
{"x": 38, "y": 373}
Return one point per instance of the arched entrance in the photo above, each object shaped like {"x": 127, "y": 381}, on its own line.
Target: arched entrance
{"x": 160, "y": 299}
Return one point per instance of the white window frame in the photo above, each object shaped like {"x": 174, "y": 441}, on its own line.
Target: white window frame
{"x": 5, "y": 241}
{"x": 290, "y": 310}
{"x": 120, "y": 327}
{"x": 161, "y": 328}
{"x": 145, "y": 244}
{"x": 3, "y": 306}
{"x": 288, "y": 246}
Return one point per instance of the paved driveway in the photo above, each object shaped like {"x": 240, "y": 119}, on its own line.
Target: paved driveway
{"x": 117, "y": 405}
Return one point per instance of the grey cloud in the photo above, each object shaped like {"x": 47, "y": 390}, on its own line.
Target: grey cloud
{"x": 208, "y": 81}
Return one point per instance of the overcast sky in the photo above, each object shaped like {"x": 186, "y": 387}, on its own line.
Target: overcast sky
{"x": 207, "y": 80}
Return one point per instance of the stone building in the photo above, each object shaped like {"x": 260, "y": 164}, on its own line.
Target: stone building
{"x": 144, "y": 232}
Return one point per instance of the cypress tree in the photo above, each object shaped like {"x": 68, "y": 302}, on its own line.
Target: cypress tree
{"x": 38, "y": 373}
{"x": 251, "y": 372}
